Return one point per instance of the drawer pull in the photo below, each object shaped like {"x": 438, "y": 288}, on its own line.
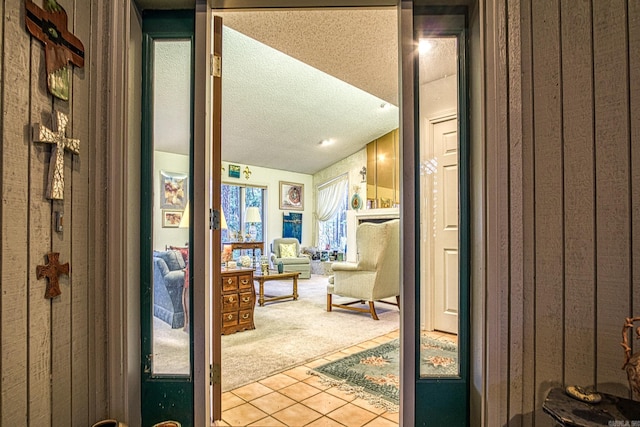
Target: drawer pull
{"x": 246, "y": 299}
{"x": 229, "y": 281}
{"x": 245, "y": 316}
{"x": 230, "y": 317}
{"x": 231, "y": 299}
{"x": 245, "y": 281}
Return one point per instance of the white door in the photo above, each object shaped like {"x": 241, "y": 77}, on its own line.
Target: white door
{"x": 445, "y": 238}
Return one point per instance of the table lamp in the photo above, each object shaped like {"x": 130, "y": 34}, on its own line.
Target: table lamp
{"x": 252, "y": 217}
{"x": 184, "y": 221}
{"x": 223, "y": 220}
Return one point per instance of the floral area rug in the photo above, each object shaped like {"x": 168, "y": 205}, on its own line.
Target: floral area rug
{"x": 374, "y": 374}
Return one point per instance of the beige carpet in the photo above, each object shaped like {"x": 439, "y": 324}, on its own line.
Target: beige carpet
{"x": 288, "y": 333}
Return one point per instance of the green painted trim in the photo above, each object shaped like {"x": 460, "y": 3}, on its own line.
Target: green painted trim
{"x": 163, "y": 397}
{"x": 445, "y": 401}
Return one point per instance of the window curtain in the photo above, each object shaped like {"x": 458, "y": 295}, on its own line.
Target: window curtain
{"x": 328, "y": 200}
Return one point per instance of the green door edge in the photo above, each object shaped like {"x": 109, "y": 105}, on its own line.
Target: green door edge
{"x": 445, "y": 401}
{"x": 162, "y": 397}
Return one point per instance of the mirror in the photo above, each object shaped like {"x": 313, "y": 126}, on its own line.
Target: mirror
{"x": 439, "y": 207}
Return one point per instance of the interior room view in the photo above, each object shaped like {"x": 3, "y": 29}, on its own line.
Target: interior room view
{"x": 310, "y": 188}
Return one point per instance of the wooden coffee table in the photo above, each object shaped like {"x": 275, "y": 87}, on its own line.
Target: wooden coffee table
{"x": 276, "y": 276}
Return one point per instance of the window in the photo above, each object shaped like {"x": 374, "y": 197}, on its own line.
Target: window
{"x": 333, "y": 200}
{"x": 235, "y": 201}
{"x": 333, "y": 233}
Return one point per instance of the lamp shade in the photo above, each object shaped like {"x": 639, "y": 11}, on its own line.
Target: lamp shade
{"x": 223, "y": 220}
{"x": 252, "y": 214}
{"x": 184, "y": 222}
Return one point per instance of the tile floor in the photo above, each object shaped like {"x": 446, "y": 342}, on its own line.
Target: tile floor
{"x": 295, "y": 398}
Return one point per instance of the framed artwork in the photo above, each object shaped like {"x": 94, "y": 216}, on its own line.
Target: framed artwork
{"x": 234, "y": 171}
{"x": 292, "y": 225}
{"x": 171, "y": 218}
{"x": 291, "y": 196}
{"x": 174, "y": 190}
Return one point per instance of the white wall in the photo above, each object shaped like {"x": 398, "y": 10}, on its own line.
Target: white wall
{"x": 270, "y": 179}
{"x": 168, "y": 162}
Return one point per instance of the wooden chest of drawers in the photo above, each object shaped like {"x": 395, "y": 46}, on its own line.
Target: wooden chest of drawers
{"x": 238, "y": 300}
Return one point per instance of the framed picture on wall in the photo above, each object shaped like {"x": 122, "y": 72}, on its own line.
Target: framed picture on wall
{"x": 171, "y": 218}
{"x": 291, "y": 196}
{"x": 174, "y": 188}
{"x": 234, "y": 171}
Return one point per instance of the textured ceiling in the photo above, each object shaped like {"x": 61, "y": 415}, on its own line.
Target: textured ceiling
{"x": 356, "y": 45}
{"x": 277, "y": 109}
{"x": 292, "y": 78}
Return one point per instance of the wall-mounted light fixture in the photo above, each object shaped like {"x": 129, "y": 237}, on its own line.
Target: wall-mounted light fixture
{"x": 363, "y": 172}
{"x": 247, "y": 172}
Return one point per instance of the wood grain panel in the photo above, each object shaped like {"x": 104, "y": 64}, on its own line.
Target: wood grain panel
{"x": 78, "y": 225}
{"x": 497, "y": 309}
{"x": 528, "y": 220}
{"x": 548, "y": 200}
{"x": 612, "y": 189}
{"x": 14, "y": 218}
{"x": 579, "y": 182}
{"x": 39, "y": 245}
{"x": 516, "y": 217}
{"x": 61, "y": 307}
{"x": 634, "y": 108}
{"x": 98, "y": 182}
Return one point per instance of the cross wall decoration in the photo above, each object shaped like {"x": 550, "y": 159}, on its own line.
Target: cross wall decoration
{"x": 61, "y": 47}
{"x": 55, "y": 187}
{"x": 52, "y": 271}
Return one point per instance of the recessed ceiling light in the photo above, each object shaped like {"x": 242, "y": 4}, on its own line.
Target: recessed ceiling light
{"x": 326, "y": 142}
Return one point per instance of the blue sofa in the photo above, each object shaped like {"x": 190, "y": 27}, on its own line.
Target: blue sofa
{"x": 168, "y": 282}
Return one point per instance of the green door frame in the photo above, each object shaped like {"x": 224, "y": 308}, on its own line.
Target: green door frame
{"x": 163, "y": 397}
{"x": 445, "y": 401}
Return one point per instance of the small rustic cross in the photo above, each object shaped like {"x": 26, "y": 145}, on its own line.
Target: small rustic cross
{"x": 52, "y": 271}
{"x": 55, "y": 188}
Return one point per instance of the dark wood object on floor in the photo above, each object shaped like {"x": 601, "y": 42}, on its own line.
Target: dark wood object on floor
{"x": 568, "y": 411}
{"x": 273, "y": 275}
{"x": 238, "y": 300}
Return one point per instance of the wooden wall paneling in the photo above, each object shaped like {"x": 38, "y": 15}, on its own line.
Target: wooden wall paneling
{"x": 612, "y": 189}
{"x": 579, "y": 220}
{"x": 98, "y": 182}
{"x": 501, "y": 297}
{"x": 61, "y": 357}
{"x": 497, "y": 280}
{"x": 547, "y": 75}
{"x": 528, "y": 217}
{"x": 634, "y": 109}
{"x": 14, "y": 217}
{"x": 39, "y": 333}
{"x": 77, "y": 227}
{"x": 516, "y": 214}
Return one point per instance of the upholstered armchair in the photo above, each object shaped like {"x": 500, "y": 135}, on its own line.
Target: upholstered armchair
{"x": 287, "y": 251}
{"x": 168, "y": 284}
{"x": 376, "y": 274}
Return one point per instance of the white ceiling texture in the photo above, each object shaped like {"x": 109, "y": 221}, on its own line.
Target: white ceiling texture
{"x": 292, "y": 78}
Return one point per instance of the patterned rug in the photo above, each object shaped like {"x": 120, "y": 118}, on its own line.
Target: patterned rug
{"x": 374, "y": 374}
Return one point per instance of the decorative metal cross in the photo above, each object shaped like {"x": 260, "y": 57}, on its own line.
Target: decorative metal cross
{"x": 55, "y": 189}
{"x": 52, "y": 271}
{"x": 61, "y": 47}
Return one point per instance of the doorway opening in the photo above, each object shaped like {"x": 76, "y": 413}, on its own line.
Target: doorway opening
{"x": 326, "y": 88}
